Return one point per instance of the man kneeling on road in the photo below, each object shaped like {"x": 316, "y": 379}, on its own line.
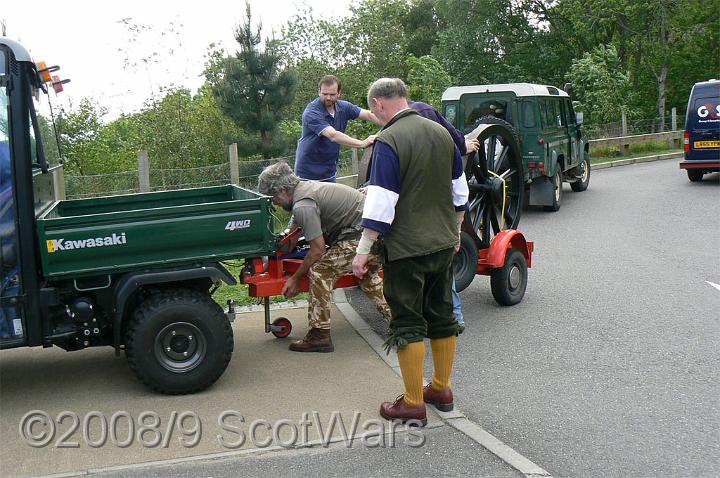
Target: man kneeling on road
{"x": 328, "y": 214}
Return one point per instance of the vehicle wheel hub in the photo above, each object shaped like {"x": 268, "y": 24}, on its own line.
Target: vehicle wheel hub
{"x": 496, "y": 189}
{"x": 180, "y": 347}
{"x": 514, "y": 277}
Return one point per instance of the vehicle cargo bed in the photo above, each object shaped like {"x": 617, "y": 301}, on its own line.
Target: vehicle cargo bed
{"x": 85, "y": 237}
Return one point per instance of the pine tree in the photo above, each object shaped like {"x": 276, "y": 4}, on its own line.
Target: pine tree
{"x": 253, "y": 89}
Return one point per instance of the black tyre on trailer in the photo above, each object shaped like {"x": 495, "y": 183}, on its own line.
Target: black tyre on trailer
{"x": 508, "y": 283}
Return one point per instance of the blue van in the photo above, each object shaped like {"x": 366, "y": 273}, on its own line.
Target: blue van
{"x": 701, "y": 140}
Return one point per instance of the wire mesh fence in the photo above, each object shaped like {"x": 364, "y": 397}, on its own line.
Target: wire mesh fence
{"x": 127, "y": 182}
{"x": 250, "y": 170}
{"x": 634, "y": 127}
{"x": 113, "y": 184}
{"x": 168, "y": 179}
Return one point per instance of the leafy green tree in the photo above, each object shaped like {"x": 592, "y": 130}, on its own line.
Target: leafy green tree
{"x": 663, "y": 44}
{"x": 426, "y": 79}
{"x": 79, "y": 132}
{"x": 253, "y": 90}
{"x": 490, "y": 41}
{"x": 600, "y": 87}
{"x": 421, "y": 24}
{"x": 49, "y": 140}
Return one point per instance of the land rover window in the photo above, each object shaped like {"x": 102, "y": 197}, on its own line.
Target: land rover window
{"x": 475, "y": 108}
{"x": 450, "y": 113}
{"x": 559, "y": 113}
{"x": 571, "y": 117}
{"x": 550, "y": 113}
{"x": 527, "y": 114}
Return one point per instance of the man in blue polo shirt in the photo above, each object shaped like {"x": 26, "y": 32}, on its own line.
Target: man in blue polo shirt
{"x": 323, "y": 131}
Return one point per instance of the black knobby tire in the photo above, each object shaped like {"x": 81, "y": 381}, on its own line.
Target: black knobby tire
{"x": 694, "y": 175}
{"x": 465, "y": 262}
{"x": 584, "y": 170}
{"x": 557, "y": 196}
{"x": 179, "y": 341}
{"x": 508, "y": 283}
{"x": 494, "y": 206}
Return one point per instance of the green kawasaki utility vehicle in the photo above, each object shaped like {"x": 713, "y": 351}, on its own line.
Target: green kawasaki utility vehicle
{"x": 134, "y": 272}
{"x": 551, "y": 146}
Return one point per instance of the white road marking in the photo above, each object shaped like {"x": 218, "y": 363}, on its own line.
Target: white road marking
{"x": 456, "y": 418}
{"x": 713, "y": 284}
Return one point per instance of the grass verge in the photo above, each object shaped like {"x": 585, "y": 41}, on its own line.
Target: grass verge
{"x": 603, "y": 155}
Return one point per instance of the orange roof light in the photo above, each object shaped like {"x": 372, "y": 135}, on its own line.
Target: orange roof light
{"x": 44, "y": 71}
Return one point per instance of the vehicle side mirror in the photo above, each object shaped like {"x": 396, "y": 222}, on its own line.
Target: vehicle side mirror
{"x": 578, "y": 117}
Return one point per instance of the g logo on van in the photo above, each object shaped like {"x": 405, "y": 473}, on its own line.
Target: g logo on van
{"x": 705, "y": 110}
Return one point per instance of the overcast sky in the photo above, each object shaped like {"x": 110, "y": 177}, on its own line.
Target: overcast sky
{"x": 121, "y": 69}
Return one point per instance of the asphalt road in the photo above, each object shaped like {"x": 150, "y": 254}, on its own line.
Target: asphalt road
{"x": 609, "y": 366}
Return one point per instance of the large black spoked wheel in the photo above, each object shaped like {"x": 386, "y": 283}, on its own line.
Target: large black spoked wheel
{"x": 508, "y": 283}
{"x": 496, "y": 180}
{"x": 557, "y": 197}
{"x": 583, "y": 175}
{"x": 179, "y": 341}
{"x": 694, "y": 175}
{"x": 465, "y": 262}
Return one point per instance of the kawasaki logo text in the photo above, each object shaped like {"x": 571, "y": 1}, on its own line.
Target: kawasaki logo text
{"x": 54, "y": 245}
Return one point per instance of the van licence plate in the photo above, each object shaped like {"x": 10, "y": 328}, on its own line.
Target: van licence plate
{"x": 706, "y": 144}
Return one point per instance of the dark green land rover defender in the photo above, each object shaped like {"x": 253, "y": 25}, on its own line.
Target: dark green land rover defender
{"x": 551, "y": 145}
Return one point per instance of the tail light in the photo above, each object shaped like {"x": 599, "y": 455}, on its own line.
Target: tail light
{"x": 540, "y": 167}
{"x": 541, "y": 140}
{"x": 686, "y": 141}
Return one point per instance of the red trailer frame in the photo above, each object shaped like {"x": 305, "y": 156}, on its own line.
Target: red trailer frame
{"x": 266, "y": 279}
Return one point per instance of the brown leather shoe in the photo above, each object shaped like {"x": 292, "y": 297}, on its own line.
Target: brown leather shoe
{"x": 404, "y": 412}
{"x": 442, "y": 399}
{"x": 316, "y": 340}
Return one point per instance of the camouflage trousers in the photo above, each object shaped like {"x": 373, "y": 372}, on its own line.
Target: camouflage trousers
{"x": 336, "y": 262}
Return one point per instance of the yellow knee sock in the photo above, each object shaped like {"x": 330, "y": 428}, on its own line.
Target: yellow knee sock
{"x": 443, "y": 352}
{"x": 412, "y": 359}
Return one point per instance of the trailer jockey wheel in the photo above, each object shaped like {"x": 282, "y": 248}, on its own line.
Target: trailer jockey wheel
{"x": 281, "y": 327}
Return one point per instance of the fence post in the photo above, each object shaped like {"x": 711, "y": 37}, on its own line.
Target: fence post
{"x": 673, "y": 118}
{"x": 144, "y": 171}
{"x": 672, "y": 141}
{"x": 354, "y": 163}
{"x": 59, "y": 183}
{"x": 234, "y": 165}
{"x": 624, "y": 148}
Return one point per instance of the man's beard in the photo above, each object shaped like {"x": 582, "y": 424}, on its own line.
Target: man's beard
{"x": 287, "y": 205}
